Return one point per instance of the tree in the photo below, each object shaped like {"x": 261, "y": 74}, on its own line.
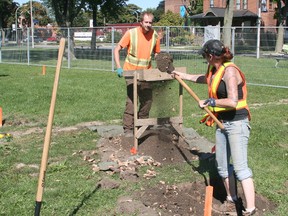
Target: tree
{"x": 39, "y": 14}
{"x": 129, "y": 14}
{"x": 194, "y": 7}
{"x": 158, "y": 12}
{"x": 228, "y": 18}
{"x": 108, "y": 8}
{"x": 7, "y": 9}
{"x": 281, "y": 17}
{"x": 170, "y": 19}
{"x": 66, "y": 11}
{"x": 83, "y": 19}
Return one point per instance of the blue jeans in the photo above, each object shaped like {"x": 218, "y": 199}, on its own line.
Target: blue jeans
{"x": 232, "y": 143}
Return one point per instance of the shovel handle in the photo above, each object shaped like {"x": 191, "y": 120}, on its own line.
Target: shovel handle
{"x": 189, "y": 90}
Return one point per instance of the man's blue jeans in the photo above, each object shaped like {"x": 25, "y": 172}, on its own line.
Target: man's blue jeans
{"x": 232, "y": 143}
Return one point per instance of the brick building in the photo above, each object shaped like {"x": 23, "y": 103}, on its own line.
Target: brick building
{"x": 246, "y": 12}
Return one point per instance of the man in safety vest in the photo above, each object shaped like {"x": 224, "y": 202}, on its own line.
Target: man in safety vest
{"x": 227, "y": 99}
{"x": 141, "y": 42}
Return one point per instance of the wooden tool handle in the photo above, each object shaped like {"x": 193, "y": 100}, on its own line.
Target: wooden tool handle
{"x": 44, "y": 160}
{"x": 197, "y": 99}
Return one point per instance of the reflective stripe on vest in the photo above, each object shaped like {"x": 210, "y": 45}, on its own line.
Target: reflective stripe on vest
{"x": 241, "y": 104}
{"x": 214, "y": 84}
{"x": 133, "y": 52}
{"x": 213, "y": 87}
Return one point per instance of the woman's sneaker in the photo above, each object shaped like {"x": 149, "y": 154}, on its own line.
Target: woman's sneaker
{"x": 227, "y": 208}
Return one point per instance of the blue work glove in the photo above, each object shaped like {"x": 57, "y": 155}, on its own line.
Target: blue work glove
{"x": 119, "y": 72}
{"x": 211, "y": 102}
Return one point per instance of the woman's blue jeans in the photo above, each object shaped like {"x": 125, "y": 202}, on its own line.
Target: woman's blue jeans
{"x": 231, "y": 146}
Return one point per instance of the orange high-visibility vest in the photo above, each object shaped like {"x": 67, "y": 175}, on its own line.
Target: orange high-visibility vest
{"x": 132, "y": 58}
{"x": 213, "y": 85}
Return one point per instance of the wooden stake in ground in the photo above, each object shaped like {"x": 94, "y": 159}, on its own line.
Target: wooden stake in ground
{"x": 208, "y": 201}
{"x": 44, "y": 70}
{"x": 41, "y": 181}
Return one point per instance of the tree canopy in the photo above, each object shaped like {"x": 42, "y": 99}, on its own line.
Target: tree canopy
{"x": 7, "y": 8}
{"x": 170, "y": 19}
{"x": 75, "y": 13}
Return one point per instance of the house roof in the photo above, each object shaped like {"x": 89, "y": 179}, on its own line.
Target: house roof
{"x": 220, "y": 13}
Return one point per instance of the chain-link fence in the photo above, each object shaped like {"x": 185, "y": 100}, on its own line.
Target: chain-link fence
{"x": 92, "y": 48}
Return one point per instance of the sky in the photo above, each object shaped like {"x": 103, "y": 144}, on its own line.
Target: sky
{"x": 144, "y": 4}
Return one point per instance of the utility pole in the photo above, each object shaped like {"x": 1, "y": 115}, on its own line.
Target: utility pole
{"x": 32, "y": 24}
{"x": 16, "y": 22}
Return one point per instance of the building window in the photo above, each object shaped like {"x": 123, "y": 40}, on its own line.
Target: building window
{"x": 270, "y": 5}
{"x": 245, "y": 7}
{"x": 238, "y": 6}
{"x": 211, "y": 3}
{"x": 263, "y": 5}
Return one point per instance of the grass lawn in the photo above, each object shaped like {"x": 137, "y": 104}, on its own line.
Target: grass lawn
{"x": 85, "y": 96}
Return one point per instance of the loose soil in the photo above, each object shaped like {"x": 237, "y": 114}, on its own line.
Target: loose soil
{"x": 161, "y": 146}
{"x": 158, "y": 146}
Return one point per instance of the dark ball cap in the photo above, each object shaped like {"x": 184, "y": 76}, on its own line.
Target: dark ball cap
{"x": 214, "y": 47}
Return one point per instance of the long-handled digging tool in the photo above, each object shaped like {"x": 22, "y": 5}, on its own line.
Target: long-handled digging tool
{"x": 41, "y": 181}
{"x": 165, "y": 64}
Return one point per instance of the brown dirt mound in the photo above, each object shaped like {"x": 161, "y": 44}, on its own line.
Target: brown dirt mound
{"x": 183, "y": 199}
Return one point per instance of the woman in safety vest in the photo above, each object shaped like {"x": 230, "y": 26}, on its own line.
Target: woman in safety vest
{"x": 228, "y": 101}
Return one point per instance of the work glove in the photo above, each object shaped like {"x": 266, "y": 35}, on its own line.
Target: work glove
{"x": 119, "y": 72}
{"x": 211, "y": 102}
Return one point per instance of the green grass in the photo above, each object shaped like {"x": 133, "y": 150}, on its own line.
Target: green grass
{"x": 84, "y": 96}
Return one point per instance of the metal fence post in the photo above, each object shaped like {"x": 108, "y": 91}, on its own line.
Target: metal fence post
{"x": 68, "y": 51}
{"x": 233, "y": 40}
{"x": 113, "y": 44}
{"x": 28, "y": 47}
{"x": 258, "y": 30}
{"x": 167, "y": 38}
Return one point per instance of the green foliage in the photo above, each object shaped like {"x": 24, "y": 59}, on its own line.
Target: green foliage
{"x": 40, "y": 14}
{"x": 194, "y": 7}
{"x": 82, "y": 20}
{"x": 117, "y": 37}
{"x": 129, "y": 14}
{"x": 184, "y": 39}
{"x": 66, "y": 12}
{"x": 170, "y": 19}
{"x": 7, "y": 8}
{"x": 157, "y": 12}
{"x": 77, "y": 13}
{"x": 110, "y": 10}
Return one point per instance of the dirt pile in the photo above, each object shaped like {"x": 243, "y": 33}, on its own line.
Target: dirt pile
{"x": 159, "y": 146}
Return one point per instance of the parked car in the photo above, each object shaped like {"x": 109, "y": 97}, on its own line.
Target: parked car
{"x": 100, "y": 38}
{"x": 52, "y": 39}
{"x": 36, "y": 39}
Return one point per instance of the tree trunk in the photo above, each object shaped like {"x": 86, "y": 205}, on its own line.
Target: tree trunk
{"x": 228, "y": 18}
{"x": 71, "y": 51}
{"x": 280, "y": 38}
{"x": 94, "y": 15}
{"x": 282, "y": 17}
